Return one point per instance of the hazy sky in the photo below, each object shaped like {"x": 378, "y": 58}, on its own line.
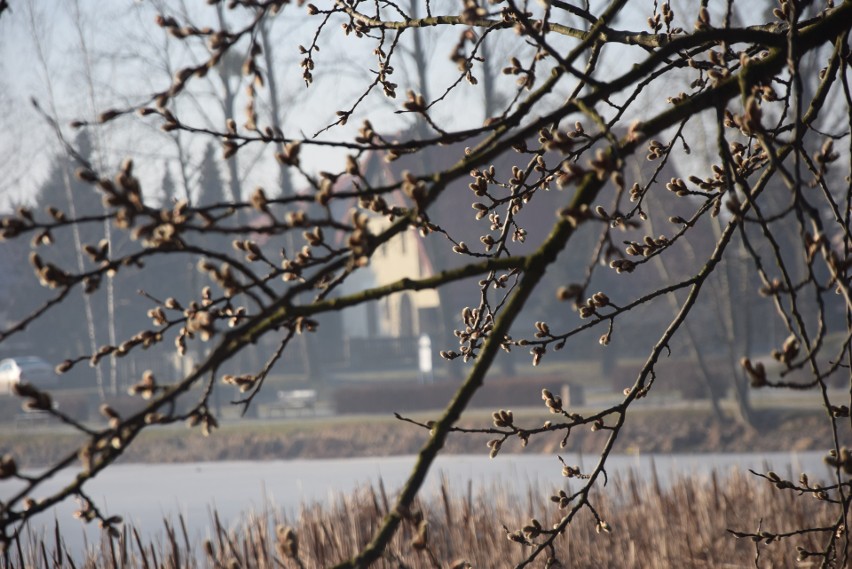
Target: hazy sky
{"x": 81, "y": 57}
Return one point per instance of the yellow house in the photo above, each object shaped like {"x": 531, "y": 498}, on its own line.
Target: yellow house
{"x": 408, "y": 313}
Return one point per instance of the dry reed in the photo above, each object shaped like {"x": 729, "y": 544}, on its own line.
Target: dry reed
{"x": 682, "y": 525}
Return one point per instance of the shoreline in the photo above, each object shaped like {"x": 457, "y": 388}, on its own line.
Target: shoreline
{"x": 656, "y": 431}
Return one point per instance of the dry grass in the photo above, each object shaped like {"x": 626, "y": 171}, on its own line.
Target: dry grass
{"x": 682, "y": 526}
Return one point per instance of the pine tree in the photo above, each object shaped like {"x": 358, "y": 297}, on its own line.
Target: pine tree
{"x": 167, "y": 188}
{"x": 210, "y": 185}
{"x": 58, "y": 336}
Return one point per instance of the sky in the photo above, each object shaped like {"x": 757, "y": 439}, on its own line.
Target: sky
{"x": 83, "y": 57}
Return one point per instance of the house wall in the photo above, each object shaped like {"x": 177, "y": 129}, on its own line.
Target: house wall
{"x": 356, "y": 320}
{"x": 401, "y": 257}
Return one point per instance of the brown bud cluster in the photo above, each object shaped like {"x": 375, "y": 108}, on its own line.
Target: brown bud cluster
{"x": 145, "y": 338}
{"x": 533, "y": 529}
{"x": 826, "y": 153}
{"x": 366, "y": 134}
{"x": 223, "y": 276}
{"x": 36, "y": 400}
{"x": 97, "y": 253}
{"x": 755, "y": 371}
{"x": 678, "y": 187}
{"x": 415, "y": 103}
{"x": 86, "y": 513}
{"x": 49, "y": 275}
{"x": 590, "y": 308}
{"x": 517, "y": 537}
{"x": 158, "y": 316}
{"x": 502, "y": 418}
{"x": 414, "y": 188}
{"x": 602, "y": 164}
{"x": 703, "y": 20}
{"x": 558, "y": 141}
{"x": 842, "y": 461}
{"x": 204, "y": 418}
{"x": 553, "y": 402}
{"x": 123, "y": 193}
{"x": 303, "y": 325}
{"x": 13, "y": 226}
{"x": 647, "y": 247}
{"x": 571, "y": 471}
{"x": 8, "y": 467}
{"x": 572, "y": 291}
{"x": 526, "y": 76}
{"x": 146, "y": 387}
{"x": 622, "y": 265}
{"x": 839, "y": 411}
{"x": 561, "y": 498}
{"x": 360, "y": 240}
{"x": 656, "y": 150}
{"x": 201, "y": 323}
{"x": 537, "y": 352}
{"x": 243, "y": 382}
{"x": 788, "y": 352}
{"x": 111, "y": 414}
{"x": 289, "y": 156}
{"x": 251, "y": 249}
{"x": 476, "y": 329}
{"x": 495, "y": 445}
{"x": 784, "y": 11}
{"x": 569, "y": 174}
{"x": 749, "y": 122}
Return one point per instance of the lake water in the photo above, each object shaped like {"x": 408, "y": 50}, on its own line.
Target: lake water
{"x": 145, "y": 494}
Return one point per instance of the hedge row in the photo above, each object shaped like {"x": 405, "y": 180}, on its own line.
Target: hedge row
{"x": 406, "y": 397}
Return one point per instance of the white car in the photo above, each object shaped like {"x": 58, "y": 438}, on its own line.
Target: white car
{"x": 30, "y": 369}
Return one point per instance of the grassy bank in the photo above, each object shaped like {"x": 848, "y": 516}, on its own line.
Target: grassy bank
{"x": 682, "y": 526}
{"x": 649, "y": 431}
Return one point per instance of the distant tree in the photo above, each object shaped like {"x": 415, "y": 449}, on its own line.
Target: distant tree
{"x": 168, "y": 191}
{"x": 211, "y": 189}
{"x": 75, "y": 326}
{"x": 764, "y": 198}
{"x": 16, "y": 284}
{"x": 171, "y": 275}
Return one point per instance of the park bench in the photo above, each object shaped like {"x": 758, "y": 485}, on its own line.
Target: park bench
{"x": 30, "y": 419}
{"x": 295, "y": 399}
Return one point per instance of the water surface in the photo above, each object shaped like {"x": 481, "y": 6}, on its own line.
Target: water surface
{"x": 145, "y": 494}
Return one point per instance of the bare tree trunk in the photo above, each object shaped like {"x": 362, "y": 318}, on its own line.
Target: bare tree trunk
{"x": 436, "y": 250}
{"x": 448, "y": 317}
{"x": 706, "y": 377}
{"x": 309, "y": 354}
{"x": 488, "y": 94}
{"x": 98, "y": 144}
{"x": 72, "y": 209}
{"x": 729, "y": 315}
{"x": 692, "y": 342}
{"x": 745, "y": 412}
